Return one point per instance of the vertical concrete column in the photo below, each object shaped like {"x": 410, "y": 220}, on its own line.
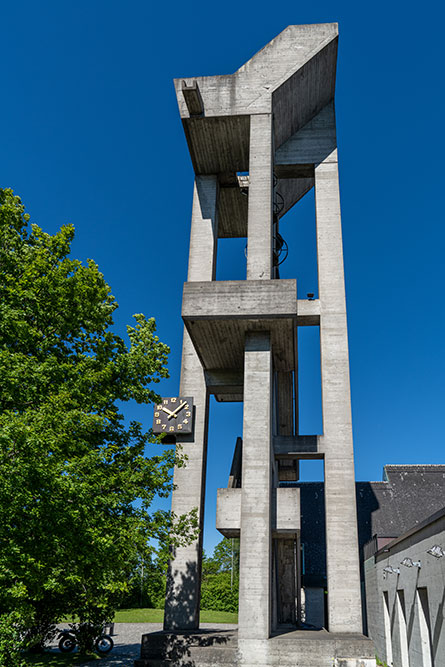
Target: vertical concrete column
{"x": 259, "y": 221}
{"x": 255, "y": 541}
{"x": 344, "y": 600}
{"x": 184, "y": 575}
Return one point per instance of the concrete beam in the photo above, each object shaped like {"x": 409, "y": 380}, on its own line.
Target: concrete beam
{"x": 314, "y": 143}
{"x": 256, "y": 534}
{"x": 240, "y": 299}
{"x": 285, "y": 519}
{"x": 228, "y": 512}
{"x": 285, "y": 402}
{"x": 236, "y": 468}
{"x": 308, "y": 312}
{"x": 296, "y": 447}
{"x": 193, "y": 99}
{"x": 249, "y": 90}
{"x": 222, "y": 382}
{"x": 288, "y": 513}
{"x": 218, "y": 316}
{"x": 344, "y": 598}
{"x": 204, "y": 229}
{"x": 184, "y": 573}
{"x": 259, "y": 220}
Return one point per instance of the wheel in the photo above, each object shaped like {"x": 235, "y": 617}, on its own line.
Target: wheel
{"x": 104, "y": 644}
{"x": 67, "y": 644}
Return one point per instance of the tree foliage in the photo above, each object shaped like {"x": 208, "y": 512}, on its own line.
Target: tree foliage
{"x": 147, "y": 585}
{"x": 220, "y": 577}
{"x": 71, "y": 469}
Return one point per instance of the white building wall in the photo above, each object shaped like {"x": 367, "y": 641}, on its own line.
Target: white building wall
{"x": 416, "y": 599}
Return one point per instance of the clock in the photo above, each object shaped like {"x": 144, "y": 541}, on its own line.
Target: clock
{"x": 173, "y": 415}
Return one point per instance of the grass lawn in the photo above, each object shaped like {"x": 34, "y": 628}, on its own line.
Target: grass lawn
{"x": 157, "y": 616}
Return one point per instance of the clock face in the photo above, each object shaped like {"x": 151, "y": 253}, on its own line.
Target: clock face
{"x": 173, "y": 415}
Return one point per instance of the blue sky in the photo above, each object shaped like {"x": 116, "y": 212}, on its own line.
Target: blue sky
{"x": 91, "y": 135}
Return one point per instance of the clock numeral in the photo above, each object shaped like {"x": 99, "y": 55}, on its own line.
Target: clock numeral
{"x": 173, "y": 400}
{"x": 165, "y": 401}
{"x": 179, "y": 427}
{"x": 158, "y": 421}
{"x": 157, "y": 415}
{"x": 188, "y": 414}
{"x": 164, "y": 426}
{"x": 186, "y": 421}
{"x": 159, "y": 407}
{"x": 187, "y": 406}
{"x": 172, "y": 428}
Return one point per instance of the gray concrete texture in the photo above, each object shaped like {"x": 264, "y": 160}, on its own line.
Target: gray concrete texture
{"x": 256, "y": 531}
{"x": 406, "y": 606}
{"x": 275, "y": 115}
{"x": 183, "y": 581}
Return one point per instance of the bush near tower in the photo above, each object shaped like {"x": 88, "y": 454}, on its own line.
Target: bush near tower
{"x": 71, "y": 469}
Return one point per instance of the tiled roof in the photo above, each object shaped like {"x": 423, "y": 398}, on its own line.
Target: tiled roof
{"x": 387, "y": 509}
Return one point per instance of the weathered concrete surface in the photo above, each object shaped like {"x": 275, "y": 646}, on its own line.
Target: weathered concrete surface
{"x": 240, "y": 299}
{"x": 344, "y": 601}
{"x": 216, "y": 647}
{"x": 259, "y": 222}
{"x": 205, "y": 647}
{"x": 285, "y": 514}
{"x": 184, "y": 574}
{"x": 314, "y": 143}
{"x": 224, "y": 382}
{"x": 277, "y": 106}
{"x": 256, "y": 529}
{"x": 308, "y": 649}
{"x": 409, "y": 627}
{"x": 308, "y": 312}
{"x": 286, "y": 564}
{"x": 293, "y": 76}
{"x": 296, "y": 446}
{"x": 228, "y": 512}
{"x": 218, "y": 316}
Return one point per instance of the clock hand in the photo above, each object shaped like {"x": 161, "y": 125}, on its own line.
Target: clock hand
{"x": 167, "y": 411}
{"x": 174, "y": 413}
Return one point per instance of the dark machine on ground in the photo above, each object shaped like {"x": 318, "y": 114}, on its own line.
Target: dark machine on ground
{"x": 68, "y": 640}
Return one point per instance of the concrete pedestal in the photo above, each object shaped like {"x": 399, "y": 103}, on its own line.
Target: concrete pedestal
{"x": 220, "y": 648}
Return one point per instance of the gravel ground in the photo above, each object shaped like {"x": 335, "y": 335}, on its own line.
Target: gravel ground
{"x": 127, "y": 642}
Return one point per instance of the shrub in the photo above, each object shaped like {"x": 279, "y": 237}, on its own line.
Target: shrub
{"x": 217, "y": 593}
{"x": 10, "y": 641}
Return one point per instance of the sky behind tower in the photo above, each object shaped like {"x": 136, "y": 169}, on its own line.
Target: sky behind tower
{"x": 91, "y": 135}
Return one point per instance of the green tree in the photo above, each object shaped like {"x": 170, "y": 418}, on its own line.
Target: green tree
{"x": 71, "y": 469}
{"x": 220, "y": 577}
{"x": 147, "y": 584}
{"x": 226, "y": 555}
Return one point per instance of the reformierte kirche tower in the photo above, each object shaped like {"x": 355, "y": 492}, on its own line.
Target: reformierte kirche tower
{"x": 268, "y": 131}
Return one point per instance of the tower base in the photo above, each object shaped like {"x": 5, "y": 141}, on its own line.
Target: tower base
{"x": 212, "y": 648}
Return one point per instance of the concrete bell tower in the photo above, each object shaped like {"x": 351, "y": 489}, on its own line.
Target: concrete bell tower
{"x": 268, "y": 128}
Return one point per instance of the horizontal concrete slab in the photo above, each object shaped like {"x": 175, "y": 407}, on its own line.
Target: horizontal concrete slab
{"x": 240, "y": 299}
{"x": 308, "y": 312}
{"x": 225, "y": 382}
{"x": 228, "y": 512}
{"x": 296, "y": 447}
{"x": 285, "y": 519}
{"x": 218, "y": 646}
{"x": 218, "y": 315}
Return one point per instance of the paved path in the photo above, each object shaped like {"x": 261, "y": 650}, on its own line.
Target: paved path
{"x": 127, "y": 642}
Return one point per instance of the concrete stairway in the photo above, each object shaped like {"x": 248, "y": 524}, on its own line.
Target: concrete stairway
{"x": 219, "y": 648}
